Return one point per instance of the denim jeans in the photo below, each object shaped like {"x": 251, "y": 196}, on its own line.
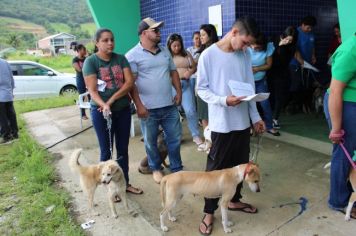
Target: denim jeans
{"x": 120, "y": 133}
{"x": 81, "y": 89}
{"x": 340, "y": 188}
{"x": 192, "y": 82}
{"x": 261, "y": 87}
{"x": 188, "y": 104}
{"x": 168, "y": 119}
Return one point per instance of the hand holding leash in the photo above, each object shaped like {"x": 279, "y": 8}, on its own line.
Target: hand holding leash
{"x": 336, "y": 136}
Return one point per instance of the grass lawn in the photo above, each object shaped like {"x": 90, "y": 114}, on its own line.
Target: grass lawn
{"x": 28, "y": 183}
{"x": 61, "y": 63}
{"x": 306, "y": 125}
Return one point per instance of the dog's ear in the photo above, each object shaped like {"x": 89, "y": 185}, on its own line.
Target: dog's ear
{"x": 114, "y": 169}
{"x": 253, "y": 171}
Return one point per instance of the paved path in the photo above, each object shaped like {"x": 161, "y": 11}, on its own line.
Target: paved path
{"x": 290, "y": 175}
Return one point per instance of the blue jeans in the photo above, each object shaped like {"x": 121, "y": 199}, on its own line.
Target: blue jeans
{"x": 168, "y": 119}
{"x": 261, "y": 87}
{"x": 188, "y": 104}
{"x": 192, "y": 82}
{"x": 340, "y": 188}
{"x": 120, "y": 133}
{"x": 81, "y": 89}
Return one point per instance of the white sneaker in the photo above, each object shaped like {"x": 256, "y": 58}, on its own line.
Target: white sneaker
{"x": 275, "y": 124}
{"x": 202, "y": 147}
{"x": 197, "y": 140}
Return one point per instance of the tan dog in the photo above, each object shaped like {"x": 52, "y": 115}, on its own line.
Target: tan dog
{"x": 213, "y": 184}
{"x": 352, "y": 199}
{"x": 108, "y": 173}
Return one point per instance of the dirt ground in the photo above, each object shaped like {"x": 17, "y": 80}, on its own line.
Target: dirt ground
{"x": 292, "y": 201}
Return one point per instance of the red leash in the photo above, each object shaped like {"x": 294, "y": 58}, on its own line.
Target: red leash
{"x": 341, "y": 135}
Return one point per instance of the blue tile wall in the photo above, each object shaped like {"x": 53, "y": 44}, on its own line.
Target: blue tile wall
{"x": 186, "y": 16}
{"x": 274, "y": 16}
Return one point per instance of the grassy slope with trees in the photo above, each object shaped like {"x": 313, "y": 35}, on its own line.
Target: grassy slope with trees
{"x": 52, "y": 16}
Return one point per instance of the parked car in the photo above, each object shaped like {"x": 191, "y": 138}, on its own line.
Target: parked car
{"x": 34, "y": 80}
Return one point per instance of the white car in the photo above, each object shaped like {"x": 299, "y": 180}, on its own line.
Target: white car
{"x": 34, "y": 80}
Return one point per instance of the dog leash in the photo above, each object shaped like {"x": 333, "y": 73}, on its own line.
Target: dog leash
{"x": 108, "y": 119}
{"x": 341, "y": 135}
{"x": 257, "y": 149}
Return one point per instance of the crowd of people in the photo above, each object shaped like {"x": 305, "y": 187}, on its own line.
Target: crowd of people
{"x": 160, "y": 80}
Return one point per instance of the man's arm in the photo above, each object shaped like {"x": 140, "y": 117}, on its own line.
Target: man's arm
{"x": 299, "y": 58}
{"x": 176, "y": 84}
{"x": 142, "y": 112}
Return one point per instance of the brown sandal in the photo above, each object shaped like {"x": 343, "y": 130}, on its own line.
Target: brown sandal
{"x": 208, "y": 228}
{"x": 133, "y": 190}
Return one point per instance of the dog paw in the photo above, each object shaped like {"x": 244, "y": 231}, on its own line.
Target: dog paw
{"x": 133, "y": 213}
{"x": 172, "y": 218}
{"x": 347, "y": 218}
{"x": 230, "y": 223}
{"x": 228, "y": 230}
{"x": 164, "y": 228}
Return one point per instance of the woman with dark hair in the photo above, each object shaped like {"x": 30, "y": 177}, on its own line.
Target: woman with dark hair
{"x": 193, "y": 51}
{"x": 278, "y": 75}
{"x": 77, "y": 64}
{"x": 112, "y": 103}
{"x": 335, "y": 41}
{"x": 208, "y": 36}
{"x": 261, "y": 58}
{"x": 186, "y": 67}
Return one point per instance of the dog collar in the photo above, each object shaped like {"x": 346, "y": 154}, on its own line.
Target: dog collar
{"x": 247, "y": 169}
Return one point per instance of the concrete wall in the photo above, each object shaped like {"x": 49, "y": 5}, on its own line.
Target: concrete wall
{"x": 121, "y": 16}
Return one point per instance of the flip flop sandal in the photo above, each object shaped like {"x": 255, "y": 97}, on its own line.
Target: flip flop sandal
{"x": 244, "y": 209}
{"x": 136, "y": 190}
{"x": 207, "y": 227}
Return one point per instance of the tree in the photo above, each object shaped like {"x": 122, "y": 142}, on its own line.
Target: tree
{"x": 14, "y": 40}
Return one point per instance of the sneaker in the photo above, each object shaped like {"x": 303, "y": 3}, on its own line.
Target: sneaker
{"x": 157, "y": 176}
{"x": 274, "y": 132}
{"x": 275, "y": 124}
{"x": 201, "y": 147}
{"x": 197, "y": 140}
{"x": 4, "y": 141}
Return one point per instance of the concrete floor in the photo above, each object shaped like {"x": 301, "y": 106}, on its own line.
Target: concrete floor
{"x": 289, "y": 173}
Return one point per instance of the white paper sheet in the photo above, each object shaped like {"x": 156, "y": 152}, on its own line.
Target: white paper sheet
{"x": 240, "y": 88}
{"x": 101, "y": 85}
{"x": 309, "y": 66}
{"x": 259, "y": 97}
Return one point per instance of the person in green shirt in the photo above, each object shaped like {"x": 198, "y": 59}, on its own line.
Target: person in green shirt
{"x": 112, "y": 70}
{"x": 340, "y": 112}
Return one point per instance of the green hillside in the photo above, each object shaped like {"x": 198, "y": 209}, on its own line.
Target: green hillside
{"x": 23, "y": 22}
{"x": 42, "y": 11}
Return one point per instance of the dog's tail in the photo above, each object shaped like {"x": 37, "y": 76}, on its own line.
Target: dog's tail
{"x": 163, "y": 191}
{"x": 73, "y": 161}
